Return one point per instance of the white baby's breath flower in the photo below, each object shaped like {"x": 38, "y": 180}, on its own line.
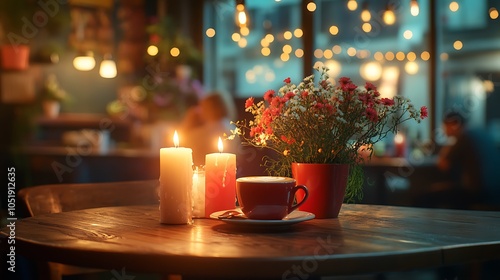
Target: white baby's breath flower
{"x": 342, "y": 120}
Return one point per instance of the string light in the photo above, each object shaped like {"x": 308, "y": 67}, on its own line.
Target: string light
{"x": 352, "y": 5}
{"x": 175, "y": 52}
{"x": 458, "y": 45}
{"x": 365, "y": 13}
{"x": 299, "y": 53}
{"x": 411, "y": 67}
{"x": 311, "y": 6}
{"x": 454, "y": 6}
{"x": 241, "y": 16}
{"x": 236, "y": 36}
{"x": 389, "y": 16}
{"x": 298, "y": 32}
{"x": 493, "y": 12}
{"x": 414, "y": 9}
{"x": 334, "y": 30}
{"x": 244, "y": 31}
{"x": 367, "y": 27}
{"x": 210, "y": 32}
{"x": 407, "y": 34}
{"x": 152, "y": 50}
{"x": 378, "y": 56}
{"x": 328, "y": 54}
{"x": 425, "y": 55}
{"x": 266, "y": 51}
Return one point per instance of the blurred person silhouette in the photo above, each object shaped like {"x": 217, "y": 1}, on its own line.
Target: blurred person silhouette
{"x": 204, "y": 124}
{"x": 470, "y": 165}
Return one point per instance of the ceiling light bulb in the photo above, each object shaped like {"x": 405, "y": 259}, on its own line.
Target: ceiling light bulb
{"x": 108, "y": 68}
{"x": 84, "y": 61}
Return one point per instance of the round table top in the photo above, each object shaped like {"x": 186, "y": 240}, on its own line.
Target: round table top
{"x": 363, "y": 239}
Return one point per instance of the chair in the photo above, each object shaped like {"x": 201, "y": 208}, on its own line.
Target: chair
{"x": 46, "y": 199}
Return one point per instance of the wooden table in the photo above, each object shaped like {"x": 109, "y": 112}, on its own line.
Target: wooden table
{"x": 364, "y": 239}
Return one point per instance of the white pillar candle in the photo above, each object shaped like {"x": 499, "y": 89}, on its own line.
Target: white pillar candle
{"x": 176, "y": 181}
{"x": 220, "y": 181}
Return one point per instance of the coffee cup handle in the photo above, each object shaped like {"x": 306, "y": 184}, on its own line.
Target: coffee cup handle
{"x": 295, "y": 189}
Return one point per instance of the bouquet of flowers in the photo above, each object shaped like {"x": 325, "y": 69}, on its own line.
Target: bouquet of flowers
{"x": 323, "y": 123}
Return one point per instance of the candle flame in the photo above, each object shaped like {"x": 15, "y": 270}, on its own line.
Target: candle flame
{"x": 220, "y": 146}
{"x": 176, "y": 139}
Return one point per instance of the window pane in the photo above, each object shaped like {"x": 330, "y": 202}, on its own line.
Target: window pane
{"x": 249, "y": 64}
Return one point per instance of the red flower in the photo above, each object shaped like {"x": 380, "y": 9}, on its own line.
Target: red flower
{"x": 369, "y": 86}
{"x": 329, "y": 108}
{"x": 287, "y": 80}
{"x": 269, "y": 130}
{"x": 344, "y": 81}
{"x": 387, "y": 101}
{"x": 289, "y": 95}
{"x": 275, "y": 101}
{"x": 349, "y": 87}
{"x": 371, "y": 114}
{"x": 304, "y": 94}
{"x": 267, "y": 116}
{"x": 319, "y": 105}
{"x": 275, "y": 111}
{"x": 423, "y": 112}
{"x": 249, "y": 102}
{"x": 253, "y": 131}
{"x": 268, "y": 95}
{"x": 366, "y": 98}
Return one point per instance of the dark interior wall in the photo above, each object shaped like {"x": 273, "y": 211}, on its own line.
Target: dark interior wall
{"x": 88, "y": 92}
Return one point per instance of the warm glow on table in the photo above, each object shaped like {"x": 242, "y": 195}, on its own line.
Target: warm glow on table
{"x": 176, "y": 180}
{"x": 199, "y": 193}
{"x": 220, "y": 181}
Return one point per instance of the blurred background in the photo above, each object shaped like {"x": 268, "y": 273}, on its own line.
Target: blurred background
{"x": 92, "y": 89}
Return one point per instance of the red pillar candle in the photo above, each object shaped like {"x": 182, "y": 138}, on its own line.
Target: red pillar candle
{"x": 220, "y": 181}
{"x": 399, "y": 145}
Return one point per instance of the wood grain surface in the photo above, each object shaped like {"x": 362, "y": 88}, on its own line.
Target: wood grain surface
{"x": 364, "y": 239}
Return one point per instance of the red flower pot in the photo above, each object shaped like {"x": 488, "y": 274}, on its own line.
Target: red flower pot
{"x": 326, "y": 184}
{"x": 15, "y": 57}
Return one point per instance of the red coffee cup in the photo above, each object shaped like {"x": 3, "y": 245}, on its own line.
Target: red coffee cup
{"x": 268, "y": 197}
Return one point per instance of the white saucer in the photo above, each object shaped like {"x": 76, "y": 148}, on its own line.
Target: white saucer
{"x": 296, "y": 216}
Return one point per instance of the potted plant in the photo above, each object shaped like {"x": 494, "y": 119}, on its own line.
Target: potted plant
{"x": 17, "y": 29}
{"x": 27, "y": 25}
{"x": 52, "y": 97}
